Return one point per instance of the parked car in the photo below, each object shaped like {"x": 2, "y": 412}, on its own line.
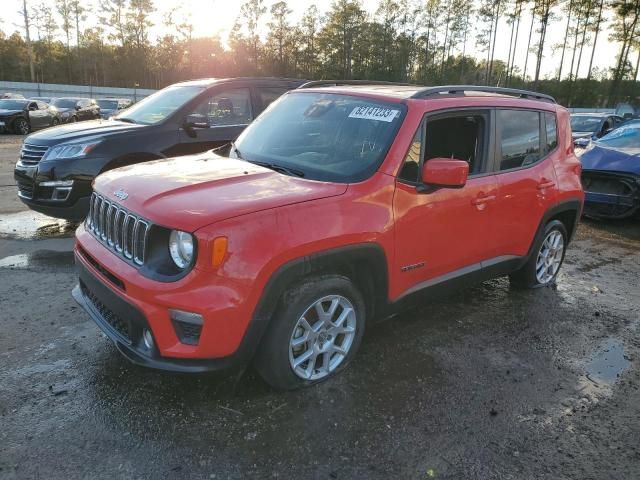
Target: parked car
{"x": 611, "y": 174}
{"x": 185, "y": 118}
{"x": 76, "y": 109}
{"x": 112, "y": 106}
{"x": 24, "y": 116}
{"x": 15, "y": 96}
{"x": 335, "y": 206}
{"x": 590, "y": 126}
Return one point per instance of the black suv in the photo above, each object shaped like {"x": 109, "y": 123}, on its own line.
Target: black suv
{"x": 56, "y": 167}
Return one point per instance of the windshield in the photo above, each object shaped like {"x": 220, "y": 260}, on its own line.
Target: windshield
{"x": 108, "y": 104}
{"x": 627, "y": 136}
{"x": 585, "y": 124}
{"x": 12, "y": 104}
{"x": 64, "y": 103}
{"x": 155, "y": 108}
{"x": 328, "y": 137}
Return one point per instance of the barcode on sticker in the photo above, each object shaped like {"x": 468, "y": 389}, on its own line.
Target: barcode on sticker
{"x": 374, "y": 113}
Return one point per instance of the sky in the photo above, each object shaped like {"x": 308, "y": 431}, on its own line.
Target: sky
{"x": 211, "y": 17}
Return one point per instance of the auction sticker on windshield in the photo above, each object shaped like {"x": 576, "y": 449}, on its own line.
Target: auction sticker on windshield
{"x": 374, "y": 113}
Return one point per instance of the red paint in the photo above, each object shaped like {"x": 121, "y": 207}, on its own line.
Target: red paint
{"x": 445, "y": 172}
{"x": 270, "y": 219}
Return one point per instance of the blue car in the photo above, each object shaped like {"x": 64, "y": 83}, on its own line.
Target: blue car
{"x": 611, "y": 174}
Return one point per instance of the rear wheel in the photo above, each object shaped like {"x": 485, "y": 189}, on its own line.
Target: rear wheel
{"x": 55, "y": 122}
{"x": 314, "y": 333}
{"x": 546, "y": 259}
{"x": 21, "y": 126}
{"x": 73, "y": 119}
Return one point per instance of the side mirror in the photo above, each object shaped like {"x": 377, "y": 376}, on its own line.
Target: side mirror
{"x": 444, "y": 173}
{"x": 196, "y": 120}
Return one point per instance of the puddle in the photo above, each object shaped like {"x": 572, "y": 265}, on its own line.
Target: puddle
{"x": 39, "y": 259}
{"x": 607, "y": 363}
{"x": 31, "y": 225}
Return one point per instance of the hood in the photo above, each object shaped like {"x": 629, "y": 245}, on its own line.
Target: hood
{"x": 575, "y": 135}
{"x": 608, "y": 159}
{"x": 76, "y": 131}
{"x": 188, "y": 193}
{"x": 7, "y": 113}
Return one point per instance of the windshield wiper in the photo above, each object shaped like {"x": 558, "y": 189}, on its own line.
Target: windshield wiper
{"x": 279, "y": 168}
{"x": 125, "y": 119}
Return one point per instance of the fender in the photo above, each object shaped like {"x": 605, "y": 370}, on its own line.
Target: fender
{"x": 342, "y": 259}
{"x": 131, "y": 159}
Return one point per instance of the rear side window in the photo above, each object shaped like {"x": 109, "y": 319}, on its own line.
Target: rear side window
{"x": 519, "y": 138}
{"x": 552, "y": 131}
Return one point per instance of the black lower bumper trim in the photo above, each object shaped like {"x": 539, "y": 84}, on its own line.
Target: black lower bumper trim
{"x": 75, "y": 213}
{"x": 132, "y": 348}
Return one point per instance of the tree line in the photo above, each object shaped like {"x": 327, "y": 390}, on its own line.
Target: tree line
{"x": 418, "y": 41}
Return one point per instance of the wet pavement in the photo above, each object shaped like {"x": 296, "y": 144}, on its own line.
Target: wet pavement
{"x": 490, "y": 383}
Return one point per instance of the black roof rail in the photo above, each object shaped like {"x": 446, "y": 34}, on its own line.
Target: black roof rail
{"x": 337, "y": 83}
{"x": 460, "y": 89}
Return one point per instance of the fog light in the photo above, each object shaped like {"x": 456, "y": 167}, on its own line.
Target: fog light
{"x": 147, "y": 339}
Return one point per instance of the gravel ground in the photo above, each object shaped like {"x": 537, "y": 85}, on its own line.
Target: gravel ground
{"x": 487, "y": 384}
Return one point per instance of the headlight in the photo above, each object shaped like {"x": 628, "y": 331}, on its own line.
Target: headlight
{"x": 69, "y": 150}
{"x": 181, "y": 248}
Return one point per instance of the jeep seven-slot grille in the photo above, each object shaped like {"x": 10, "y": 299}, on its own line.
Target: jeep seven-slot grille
{"x": 118, "y": 229}
{"x": 32, "y": 154}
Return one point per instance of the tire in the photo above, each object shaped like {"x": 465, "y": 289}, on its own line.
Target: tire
{"x": 533, "y": 274}
{"x": 73, "y": 119}
{"x": 286, "y": 364}
{"x": 55, "y": 122}
{"x": 21, "y": 126}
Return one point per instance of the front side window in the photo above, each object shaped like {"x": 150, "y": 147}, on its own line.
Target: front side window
{"x": 458, "y": 136}
{"x": 329, "y": 137}
{"x": 268, "y": 95}
{"x": 519, "y": 138}
{"x": 552, "y": 131}
{"x": 160, "y": 105}
{"x": 231, "y": 107}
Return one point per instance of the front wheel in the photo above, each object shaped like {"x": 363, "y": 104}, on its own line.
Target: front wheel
{"x": 55, "y": 122}
{"x": 314, "y": 333}
{"x": 546, "y": 258}
{"x": 21, "y": 126}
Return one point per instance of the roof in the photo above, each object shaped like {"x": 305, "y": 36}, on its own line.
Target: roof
{"x": 205, "y": 82}
{"x": 406, "y": 91}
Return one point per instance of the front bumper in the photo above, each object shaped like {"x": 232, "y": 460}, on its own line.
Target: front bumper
{"x": 67, "y": 203}
{"x": 123, "y": 303}
{"x": 610, "y": 194}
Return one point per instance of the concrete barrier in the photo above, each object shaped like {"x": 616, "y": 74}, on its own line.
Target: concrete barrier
{"x": 57, "y": 90}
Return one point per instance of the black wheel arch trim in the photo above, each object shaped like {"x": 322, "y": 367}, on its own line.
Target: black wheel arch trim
{"x": 573, "y": 205}
{"x": 336, "y": 260}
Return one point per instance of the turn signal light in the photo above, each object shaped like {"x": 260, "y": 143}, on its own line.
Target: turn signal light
{"x": 219, "y": 251}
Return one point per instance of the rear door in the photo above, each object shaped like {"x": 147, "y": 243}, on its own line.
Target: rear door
{"x": 223, "y": 115}
{"x": 526, "y": 145}
{"x": 446, "y": 233}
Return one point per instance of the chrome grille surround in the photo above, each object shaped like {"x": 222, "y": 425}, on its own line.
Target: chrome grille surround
{"x": 31, "y": 155}
{"x": 118, "y": 229}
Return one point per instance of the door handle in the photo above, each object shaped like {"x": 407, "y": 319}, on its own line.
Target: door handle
{"x": 481, "y": 200}
{"x": 544, "y": 184}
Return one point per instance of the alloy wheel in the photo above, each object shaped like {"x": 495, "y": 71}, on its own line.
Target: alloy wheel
{"x": 550, "y": 257}
{"x": 322, "y": 337}
{"x": 22, "y": 126}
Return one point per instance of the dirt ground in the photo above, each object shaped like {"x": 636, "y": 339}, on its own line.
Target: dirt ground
{"x": 490, "y": 383}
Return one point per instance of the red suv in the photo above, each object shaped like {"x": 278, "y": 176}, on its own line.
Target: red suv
{"x": 334, "y": 206}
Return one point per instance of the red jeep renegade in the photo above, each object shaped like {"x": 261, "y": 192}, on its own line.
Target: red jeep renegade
{"x": 334, "y": 206}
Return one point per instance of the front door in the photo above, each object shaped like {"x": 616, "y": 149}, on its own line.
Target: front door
{"x": 446, "y": 232}
{"x": 220, "y": 118}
